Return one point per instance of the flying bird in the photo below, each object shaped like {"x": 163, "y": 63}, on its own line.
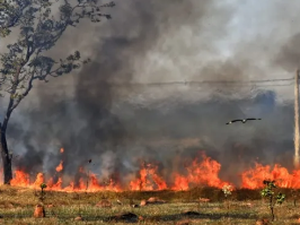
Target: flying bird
{"x": 242, "y": 120}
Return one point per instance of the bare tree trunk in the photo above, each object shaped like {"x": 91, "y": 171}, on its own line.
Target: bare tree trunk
{"x": 6, "y": 157}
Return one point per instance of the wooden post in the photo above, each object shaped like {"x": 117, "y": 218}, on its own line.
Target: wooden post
{"x": 296, "y": 132}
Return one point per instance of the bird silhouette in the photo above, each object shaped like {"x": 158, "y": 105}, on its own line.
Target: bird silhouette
{"x": 242, "y": 120}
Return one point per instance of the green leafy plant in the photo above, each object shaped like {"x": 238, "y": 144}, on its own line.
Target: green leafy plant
{"x": 275, "y": 197}
{"x": 42, "y": 196}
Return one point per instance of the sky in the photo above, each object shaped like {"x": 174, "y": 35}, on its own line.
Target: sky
{"x": 244, "y": 31}
{"x": 208, "y": 40}
{"x": 250, "y": 37}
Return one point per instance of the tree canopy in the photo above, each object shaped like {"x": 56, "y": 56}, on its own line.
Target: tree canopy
{"x": 38, "y": 31}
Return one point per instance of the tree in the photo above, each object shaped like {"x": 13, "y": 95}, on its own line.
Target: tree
{"x": 25, "y": 60}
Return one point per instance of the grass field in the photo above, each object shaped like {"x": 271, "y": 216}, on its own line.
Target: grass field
{"x": 245, "y": 207}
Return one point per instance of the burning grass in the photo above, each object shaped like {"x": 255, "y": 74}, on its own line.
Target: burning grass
{"x": 193, "y": 197}
{"x": 199, "y": 172}
{"x": 205, "y": 172}
{"x": 17, "y": 206}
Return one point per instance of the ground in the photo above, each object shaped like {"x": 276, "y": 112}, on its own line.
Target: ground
{"x": 245, "y": 207}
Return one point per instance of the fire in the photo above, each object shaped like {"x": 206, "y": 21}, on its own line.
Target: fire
{"x": 149, "y": 180}
{"x": 59, "y": 167}
{"x": 200, "y": 172}
{"x": 21, "y": 179}
{"x": 253, "y": 178}
{"x": 62, "y": 150}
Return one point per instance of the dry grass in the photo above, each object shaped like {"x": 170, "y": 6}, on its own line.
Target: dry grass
{"x": 17, "y": 207}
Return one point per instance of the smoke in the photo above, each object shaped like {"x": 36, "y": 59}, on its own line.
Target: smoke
{"x": 155, "y": 41}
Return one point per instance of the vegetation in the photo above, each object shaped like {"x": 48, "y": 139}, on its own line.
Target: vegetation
{"x": 227, "y": 190}
{"x": 17, "y": 206}
{"x": 295, "y": 196}
{"x": 36, "y": 31}
{"x": 42, "y": 194}
{"x": 275, "y": 197}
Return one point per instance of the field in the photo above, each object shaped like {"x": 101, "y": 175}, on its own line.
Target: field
{"x": 245, "y": 207}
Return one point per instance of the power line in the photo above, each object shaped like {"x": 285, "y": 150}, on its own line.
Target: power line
{"x": 196, "y": 85}
{"x": 213, "y": 82}
{"x": 242, "y": 83}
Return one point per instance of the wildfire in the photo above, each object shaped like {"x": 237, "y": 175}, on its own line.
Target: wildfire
{"x": 204, "y": 172}
{"x": 59, "y": 167}
{"x": 253, "y": 178}
{"x": 149, "y": 180}
{"x": 200, "y": 173}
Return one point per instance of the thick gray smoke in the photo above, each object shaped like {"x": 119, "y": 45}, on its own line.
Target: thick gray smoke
{"x": 154, "y": 41}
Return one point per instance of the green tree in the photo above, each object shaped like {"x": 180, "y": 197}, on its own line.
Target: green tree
{"x": 25, "y": 60}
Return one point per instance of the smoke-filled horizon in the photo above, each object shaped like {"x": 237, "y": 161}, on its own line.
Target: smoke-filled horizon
{"x": 164, "y": 41}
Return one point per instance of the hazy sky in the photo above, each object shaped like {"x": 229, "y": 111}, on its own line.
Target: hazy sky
{"x": 232, "y": 39}
{"x": 267, "y": 22}
{"x": 247, "y": 40}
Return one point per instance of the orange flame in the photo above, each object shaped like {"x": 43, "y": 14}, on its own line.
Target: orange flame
{"x": 62, "y": 150}
{"x": 253, "y": 178}
{"x": 59, "y": 167}
{"x": 203, "y": 172}
{"x": 144, "y": 183}
{"x": 200, "y": 173}
{"x": 21, "y": 179}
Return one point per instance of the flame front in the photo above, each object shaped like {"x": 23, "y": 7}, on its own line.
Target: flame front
{"x": 148, "y": 180}
{"x": 204, "y": 172}
{"x": 253, "y": 178}
{"x": 200, "y": 173}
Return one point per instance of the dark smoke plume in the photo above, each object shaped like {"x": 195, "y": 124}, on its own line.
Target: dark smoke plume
{"x": 117, "y": 126}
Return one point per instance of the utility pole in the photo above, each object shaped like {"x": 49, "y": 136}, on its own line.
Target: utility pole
{"x": 296, "y": 132}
